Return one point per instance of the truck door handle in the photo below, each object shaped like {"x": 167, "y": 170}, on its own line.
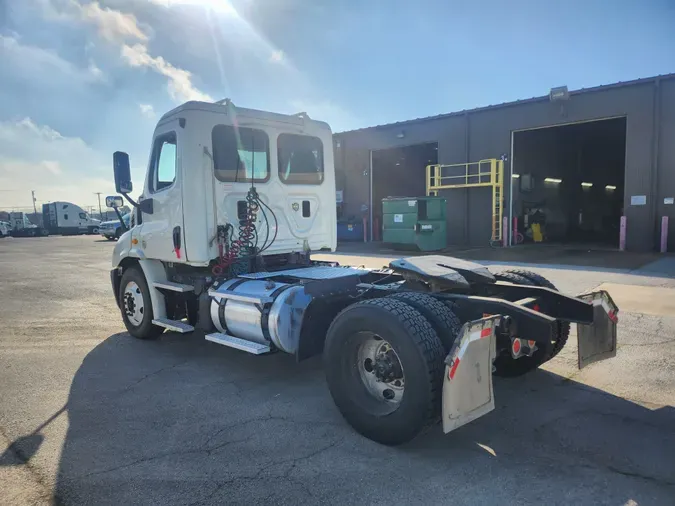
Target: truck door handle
{"x": 176, "y": 241}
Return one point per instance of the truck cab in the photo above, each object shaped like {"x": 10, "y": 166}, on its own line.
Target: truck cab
{"x": 204, "y": 159}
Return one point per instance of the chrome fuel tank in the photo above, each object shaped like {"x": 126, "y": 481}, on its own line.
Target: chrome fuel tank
{"x": 262, "y": 311}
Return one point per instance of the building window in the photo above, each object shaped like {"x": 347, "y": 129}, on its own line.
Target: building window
{"x": 300, "y": 159}
{"x": 240, "y": 154}
{"x": 163, "y": 162}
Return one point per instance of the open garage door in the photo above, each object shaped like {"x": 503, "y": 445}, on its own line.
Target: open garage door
{"x": 568, "y": 182}
{"x": 399, "y": 172}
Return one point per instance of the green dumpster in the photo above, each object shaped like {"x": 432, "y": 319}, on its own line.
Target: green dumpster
{"x": 414, "y": 222}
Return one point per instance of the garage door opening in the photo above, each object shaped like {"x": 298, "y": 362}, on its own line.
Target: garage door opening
{"x": 568, "y": 182}
{"x": 399, "y": 172}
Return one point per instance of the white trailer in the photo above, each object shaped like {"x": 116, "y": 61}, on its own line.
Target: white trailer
{"x": 66, "y": 218}
{"x": 234, "y": 203}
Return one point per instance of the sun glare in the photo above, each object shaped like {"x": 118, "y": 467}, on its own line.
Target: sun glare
{"x": 220, "y": 6}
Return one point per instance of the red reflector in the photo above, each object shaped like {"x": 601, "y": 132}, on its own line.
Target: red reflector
{"x": 536, "y": 307}
{"x": 453, "y": 369}
{"x": 613, "y": 316}
{"x": 531, "y": 344}
{"x": 516, "y": 346}
{"x": 485, "y": 332}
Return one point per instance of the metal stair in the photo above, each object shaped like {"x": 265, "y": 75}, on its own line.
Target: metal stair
{"x": 174, "y": 287}
{"x": 175, "y": 325}
{"x": 239, "y": 344}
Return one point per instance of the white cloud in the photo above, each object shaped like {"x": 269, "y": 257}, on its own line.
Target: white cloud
{"x": 277, "y": 56}
{"x": 180, "y": 84}
{"x": 114, "y": 26}
{"x": 33, "y": 63}
{"x": 147, "y": 110}
{"x": 37, "y": 157}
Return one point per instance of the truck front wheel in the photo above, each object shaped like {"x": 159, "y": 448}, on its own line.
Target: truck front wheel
{"x": 384, "y": 368}
{"x": 136, "y": 305}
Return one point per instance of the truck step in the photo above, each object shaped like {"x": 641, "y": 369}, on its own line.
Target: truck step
{"x": 239, "y": 344}
{"x": 175, "y": 325}
{"x": 174, "y": 287}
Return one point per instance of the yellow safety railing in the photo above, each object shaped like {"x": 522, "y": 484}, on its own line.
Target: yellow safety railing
{"x": 484, "y": 173}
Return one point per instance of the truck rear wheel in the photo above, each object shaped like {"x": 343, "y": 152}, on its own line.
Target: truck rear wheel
{"x": 384, "y": 369}
{"x": 505, "y": 364}
{"x": 563, "y": 327}
{"x": 136, "y": 305}
{"x": 442, "y": 319}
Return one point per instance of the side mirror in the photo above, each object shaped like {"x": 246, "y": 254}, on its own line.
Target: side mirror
{"x": 114, "y": 201}
{"x": 122, "y": 172}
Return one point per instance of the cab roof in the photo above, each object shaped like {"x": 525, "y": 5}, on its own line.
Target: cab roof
{"x": 227, "y": 107}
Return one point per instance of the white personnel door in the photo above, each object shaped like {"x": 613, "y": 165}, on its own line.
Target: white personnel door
{"x": 161, "y": 233}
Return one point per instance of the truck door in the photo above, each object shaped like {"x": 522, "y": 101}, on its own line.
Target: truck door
{"x": 162, "y": 232}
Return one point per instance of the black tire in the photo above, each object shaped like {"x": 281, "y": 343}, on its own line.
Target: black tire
{"x": 110, "y": 238}
{"x": 563, "y": 331}
{"x": 505, "y": 365}
{"x": 421, "y": 356}
{"x": 146, "y": 330}
{"x": 442, "y": 319}
{"x": 512, "y": 278}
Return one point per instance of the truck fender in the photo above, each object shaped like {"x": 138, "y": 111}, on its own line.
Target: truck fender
{"x": 467, "y": 382}
{"x": 154, "y": 272}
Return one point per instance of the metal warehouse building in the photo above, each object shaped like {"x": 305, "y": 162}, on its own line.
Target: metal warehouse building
{"x": 583, "y": 158}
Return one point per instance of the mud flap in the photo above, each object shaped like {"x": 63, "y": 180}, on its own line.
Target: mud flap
{"x": 597, "y": 341}
{"x": 467, "y": 385}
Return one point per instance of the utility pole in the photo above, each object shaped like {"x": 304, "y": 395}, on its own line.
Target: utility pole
{"x": 100, "y": 212}
{"x": 32, "y": 192}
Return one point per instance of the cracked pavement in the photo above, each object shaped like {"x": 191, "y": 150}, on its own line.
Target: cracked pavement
{"x": 183, "y": 421}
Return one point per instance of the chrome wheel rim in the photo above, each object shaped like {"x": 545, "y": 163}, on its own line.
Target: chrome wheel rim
{"x": 133, "y": 303}
{"x": 381, "y": 370}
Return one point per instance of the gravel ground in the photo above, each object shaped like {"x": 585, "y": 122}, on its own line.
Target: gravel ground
{"x": 89, "y": 415}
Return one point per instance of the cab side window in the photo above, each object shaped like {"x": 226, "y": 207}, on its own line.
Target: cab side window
{"x": 163, "y": 173}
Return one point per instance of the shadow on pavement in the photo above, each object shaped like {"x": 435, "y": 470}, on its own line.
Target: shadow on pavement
{"x": 184, "y": 421}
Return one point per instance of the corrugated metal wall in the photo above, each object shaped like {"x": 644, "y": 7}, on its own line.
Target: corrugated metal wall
{"x": 648, "y": 105}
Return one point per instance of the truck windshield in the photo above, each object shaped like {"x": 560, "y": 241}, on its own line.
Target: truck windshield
{"x": 240, "y": 154}
{"x": 300, "y": 159}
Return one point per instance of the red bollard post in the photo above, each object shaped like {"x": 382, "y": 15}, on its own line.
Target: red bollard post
{"x": 622, "y": 234}
{"x": 664, "y": 234}
{"x": 505, "y": 232}
{"x": 514, "y": 233}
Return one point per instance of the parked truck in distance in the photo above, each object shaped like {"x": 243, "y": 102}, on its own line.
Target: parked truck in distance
{"x": 21, "y": 226}
{"x": 66, "y": 218}
{"x": 236, "y": 200}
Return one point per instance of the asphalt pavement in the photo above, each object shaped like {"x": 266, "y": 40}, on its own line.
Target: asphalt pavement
{"x": 90, "y": 415}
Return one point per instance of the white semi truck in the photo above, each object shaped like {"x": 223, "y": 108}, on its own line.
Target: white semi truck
{"x": 234, "y": 203}
{"x": 66, "y": 218}
{"x": 21, "y": 226}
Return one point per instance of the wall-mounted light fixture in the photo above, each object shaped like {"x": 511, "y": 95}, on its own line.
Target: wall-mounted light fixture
{"x": 559, "y": 93}
{"x": 515, "y": 176}
{"x": 400, "y": 135}
{"x": 586, "y": 185}
{"x": 610, "y": 187}
{"x": 552, "y": 180}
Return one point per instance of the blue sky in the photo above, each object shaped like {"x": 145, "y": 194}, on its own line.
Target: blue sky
{"x": 82, "y": 79}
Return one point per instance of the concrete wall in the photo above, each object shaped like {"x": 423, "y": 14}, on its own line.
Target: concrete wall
{"x": 648, "y": 105}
